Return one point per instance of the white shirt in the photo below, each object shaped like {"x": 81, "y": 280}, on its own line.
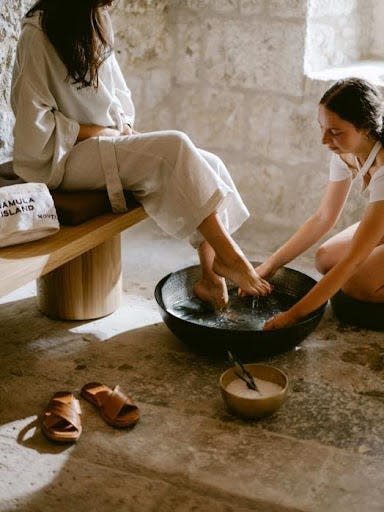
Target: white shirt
{"x": 48, "y": 108}
{"x": 339, "y": 171}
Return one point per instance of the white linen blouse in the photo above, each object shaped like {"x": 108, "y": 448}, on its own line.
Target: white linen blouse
{"x": 48, "y": 107}
{"x": 339, "y": 171}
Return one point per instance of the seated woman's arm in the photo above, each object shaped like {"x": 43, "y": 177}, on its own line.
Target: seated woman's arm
{"x": 87, "y": 131}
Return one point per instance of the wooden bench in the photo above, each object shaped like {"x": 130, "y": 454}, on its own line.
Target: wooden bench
{"x": 78, "y": 269}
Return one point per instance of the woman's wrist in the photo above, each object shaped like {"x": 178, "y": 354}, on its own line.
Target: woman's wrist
{"x": 270, "y": 266}
{"x": 296, "y": 312}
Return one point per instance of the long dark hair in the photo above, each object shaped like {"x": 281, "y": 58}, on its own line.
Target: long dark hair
{"x": 76, "y": 30}
{"x": 359, "y": 102}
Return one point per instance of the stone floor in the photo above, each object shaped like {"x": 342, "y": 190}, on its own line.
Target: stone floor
{"x": 322, "y": 452}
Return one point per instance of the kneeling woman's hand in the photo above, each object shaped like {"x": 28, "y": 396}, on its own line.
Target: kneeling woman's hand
{"x": 279, "y": 321}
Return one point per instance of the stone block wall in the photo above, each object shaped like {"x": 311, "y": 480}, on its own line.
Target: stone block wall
{"x": 337, "y": 31}
{"x": 10, "y": 13}
{"x": 230, "y": 73}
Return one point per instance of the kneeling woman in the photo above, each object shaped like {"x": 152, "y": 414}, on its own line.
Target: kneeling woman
{"x": 74, "y": 130}
{"x": 351, "y": 122}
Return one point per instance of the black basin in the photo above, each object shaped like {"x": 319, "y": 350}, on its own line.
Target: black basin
{"x": 246, "y": 344}
{"x": 368, "y": 315}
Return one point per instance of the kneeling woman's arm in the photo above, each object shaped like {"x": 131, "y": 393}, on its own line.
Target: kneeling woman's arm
{"x": 313, "y": 229}
{"x": 368, "y": 236}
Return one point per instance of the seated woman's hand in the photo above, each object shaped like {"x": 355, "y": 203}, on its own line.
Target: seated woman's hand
{"x": 87, "y": 131}
{"x": 127, "y": 130}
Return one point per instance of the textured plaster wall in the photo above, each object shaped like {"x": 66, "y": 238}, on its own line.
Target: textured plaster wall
{"x": 230, "y": 74}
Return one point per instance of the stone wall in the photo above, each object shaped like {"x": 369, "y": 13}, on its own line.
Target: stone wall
{"x": 338, "y": 32}
{"x": 230, "y": 74}
{"x": 10, "y": 12}
{"x": 377, "y": 49}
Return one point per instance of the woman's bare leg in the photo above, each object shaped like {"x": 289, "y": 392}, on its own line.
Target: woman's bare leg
{"x": 367, "y": 283}
{"x": 229, "y": 260}
{"x": 211, "y": 287}
{"x": 331, "y": 251}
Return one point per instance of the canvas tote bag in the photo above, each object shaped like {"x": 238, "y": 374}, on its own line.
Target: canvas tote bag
{"x": 27, "y": 213}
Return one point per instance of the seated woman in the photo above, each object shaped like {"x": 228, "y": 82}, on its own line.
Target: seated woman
{"x": 74, "y": 130}
{"x": 351, "y": 121}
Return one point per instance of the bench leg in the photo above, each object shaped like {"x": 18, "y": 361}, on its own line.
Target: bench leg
{"x": 86, "y": 287}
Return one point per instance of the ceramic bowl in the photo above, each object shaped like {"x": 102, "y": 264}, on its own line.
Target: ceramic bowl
{"x": 257, "y": 406}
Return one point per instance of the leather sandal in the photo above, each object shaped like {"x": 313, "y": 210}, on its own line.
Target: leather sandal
{"x": 60, "y": 420}
{"x": 116, "y": 408}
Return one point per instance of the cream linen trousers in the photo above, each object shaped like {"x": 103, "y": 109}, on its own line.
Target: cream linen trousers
{"x": 178, "y": 184}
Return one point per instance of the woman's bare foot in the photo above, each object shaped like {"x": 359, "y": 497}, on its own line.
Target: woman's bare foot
{"x": 263, "y": 270}
{"x": 221, "y": 255}
{"x": 214, "y": 291}
{"x": 243, "y": 275}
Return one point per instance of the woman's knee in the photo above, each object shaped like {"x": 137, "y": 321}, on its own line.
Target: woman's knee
{"x": 323, "y": 259}
{"x": 178, "y": 138}
{"x": 214, "y": 161}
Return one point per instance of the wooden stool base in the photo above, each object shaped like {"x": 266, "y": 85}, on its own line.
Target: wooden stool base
{"x": 86, "y": 287}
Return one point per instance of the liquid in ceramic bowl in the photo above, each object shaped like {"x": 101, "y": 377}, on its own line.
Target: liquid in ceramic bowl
{"x": 247, "y": 403}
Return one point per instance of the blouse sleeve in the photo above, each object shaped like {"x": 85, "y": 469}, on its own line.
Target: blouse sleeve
{"x": 377, "y": 187}
{"x": 42, "y": 134}
{"x": 338, "y": 169}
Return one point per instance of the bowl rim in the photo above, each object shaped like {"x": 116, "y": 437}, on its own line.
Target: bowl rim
{"x": 231, "y": 369}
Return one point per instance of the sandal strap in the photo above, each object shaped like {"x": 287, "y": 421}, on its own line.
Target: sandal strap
{"x": 115, "y": 401}
{"x": 73, "y": 404}
{"x": 58, "y": 410}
